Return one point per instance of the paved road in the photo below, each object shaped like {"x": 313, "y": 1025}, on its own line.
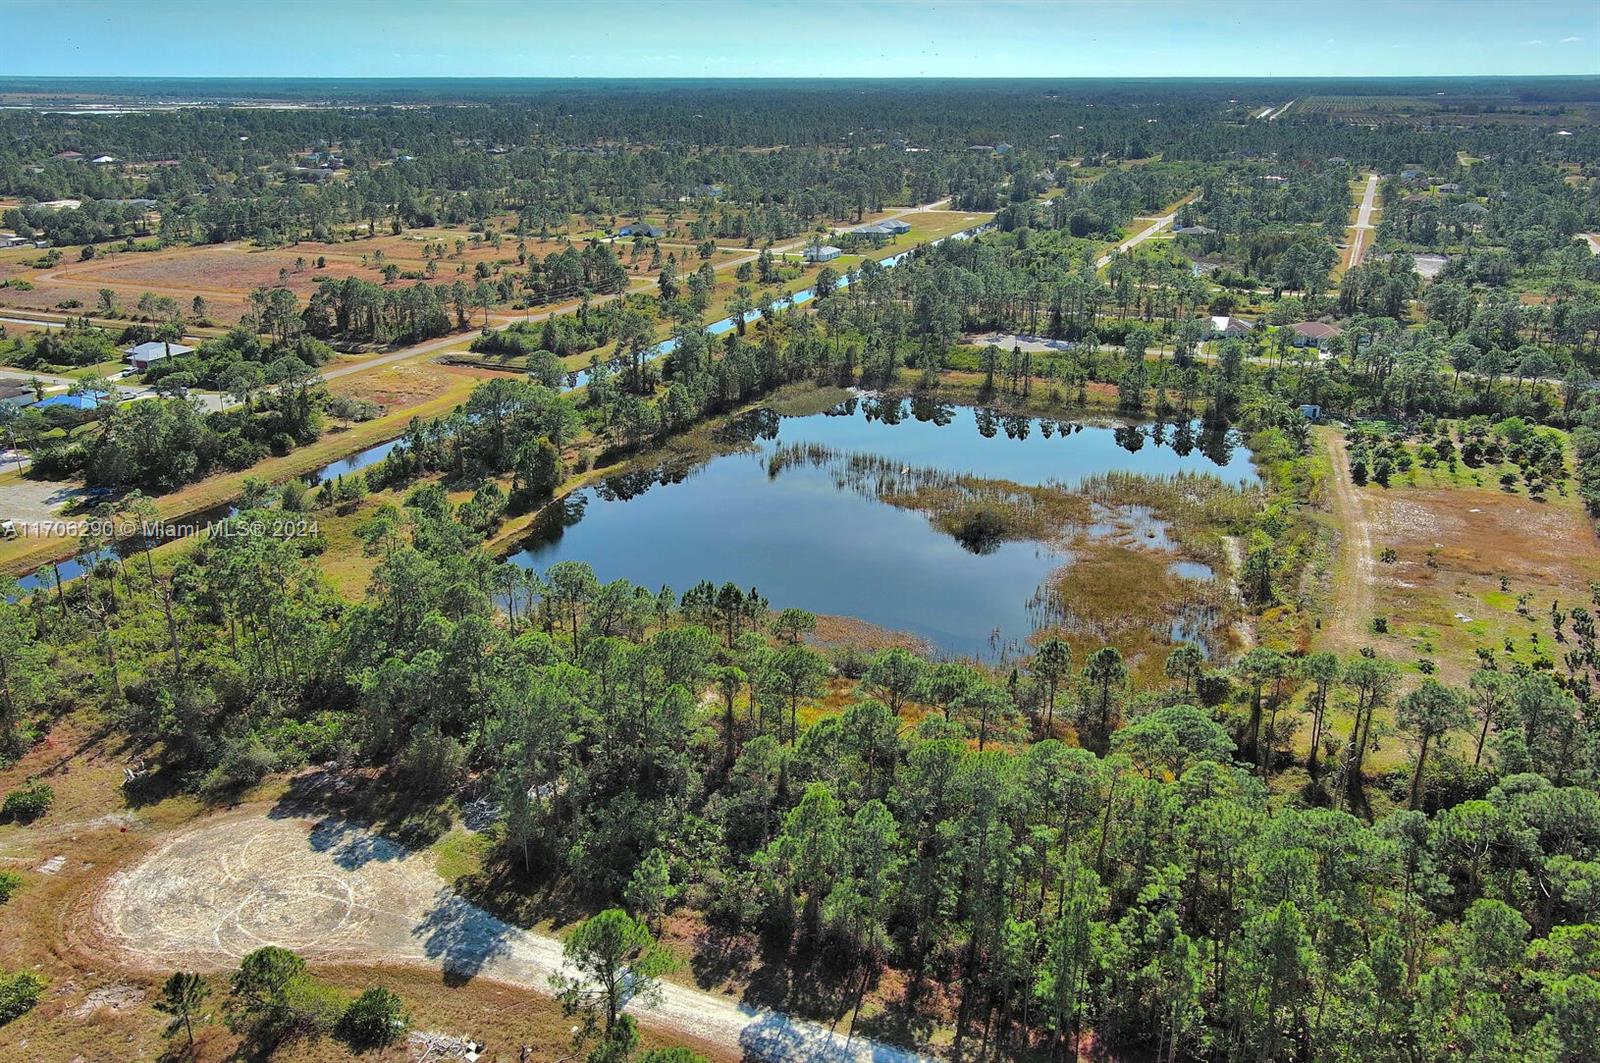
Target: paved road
{"x": 30, "y": 321}
{"x": 1279, "y": 113}
{"x": 1360, "y": 243}
{"x": 335, "y": 891}
{"x": 1594, "y": 241}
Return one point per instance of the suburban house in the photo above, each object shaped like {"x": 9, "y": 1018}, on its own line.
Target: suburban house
{"x": 142, "y": 356}
{"x": 1315, "y": 334}
{"x": 15, "y": 395}
{"x": 639, "y": 228}
{"x": 873, "y": 230}
{"x": 1224, "y": 326}
{"x": 68, "y": 156}
{"x": 895, "y": 225}
{"x": 1449, "y": 188}
{"x": 822, "y": 253}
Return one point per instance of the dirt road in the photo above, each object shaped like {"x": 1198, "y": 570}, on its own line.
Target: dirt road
{"x": 1355, "y": 592}
{"x": 333, "y": 890}
{"x": 1360, "y": 241}
{"x": 1137, "y": 238}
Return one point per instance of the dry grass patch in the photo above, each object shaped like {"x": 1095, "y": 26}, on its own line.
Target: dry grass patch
{"x": 1442, "y": 593}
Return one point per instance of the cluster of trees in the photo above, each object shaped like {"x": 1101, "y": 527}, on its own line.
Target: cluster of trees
{"x": 157, "y": 445}
{"x": 93, "y": 222}
{"x": 273, "y": 998}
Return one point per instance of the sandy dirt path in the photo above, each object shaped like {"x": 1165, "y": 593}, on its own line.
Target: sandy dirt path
{"x": 335, "y": 891}
{"x": 1354, "y": 600}
{"x": 1360, "y": 241}
{"x": 1160, "y": 225}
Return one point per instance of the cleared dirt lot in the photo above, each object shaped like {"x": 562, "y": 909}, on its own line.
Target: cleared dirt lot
{"x": 337, "y": 892}
{"x": 1442, "y": 593}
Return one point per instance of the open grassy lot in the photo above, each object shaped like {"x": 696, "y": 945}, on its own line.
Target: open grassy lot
{"x": 1475, "y": 567}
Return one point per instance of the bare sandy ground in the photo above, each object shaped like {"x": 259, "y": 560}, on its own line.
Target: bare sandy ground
{"x": 332, "y": 890}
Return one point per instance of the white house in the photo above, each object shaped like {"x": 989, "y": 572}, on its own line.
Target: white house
{"x": 142, "y": 356}
{"x": 822, "y": 253}
{"x": 1223, "y": 326}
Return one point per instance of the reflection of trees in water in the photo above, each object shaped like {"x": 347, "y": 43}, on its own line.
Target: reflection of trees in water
{"x": 1216, "y": 442}
{"x": 761, "y": 423}
{"x": 631, "y": 483}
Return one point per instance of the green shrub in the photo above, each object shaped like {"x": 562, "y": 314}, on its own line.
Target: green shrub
{"x": 244, "y": 763}
{"x": 433, "y": 763}
{"x": 18, "y": 993}
{"x": 377, "y": 1019}
{"x": 10, "y": 882}
{"x": 27, "y": 804}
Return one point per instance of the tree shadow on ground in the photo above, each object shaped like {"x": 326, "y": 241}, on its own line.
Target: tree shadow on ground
{"x": 462, "y": 937}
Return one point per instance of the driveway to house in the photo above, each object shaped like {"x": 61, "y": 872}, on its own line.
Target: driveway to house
{"x": 335, "y": 891}
{"x": 34, "y": 501}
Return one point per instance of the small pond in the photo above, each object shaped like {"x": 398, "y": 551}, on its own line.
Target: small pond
{"x": 805, "y": 539}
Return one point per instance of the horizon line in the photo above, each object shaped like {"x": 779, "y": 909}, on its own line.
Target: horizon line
{"x": 1595, "y": 75}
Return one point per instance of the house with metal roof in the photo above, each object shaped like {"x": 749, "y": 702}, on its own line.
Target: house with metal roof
{"x": 822, "y": 253}
{"x": 1223, "y": 326}
{"x": 639, "y": 228}
{"x": 895, "y": 225}
{"x": 143, "y": 355}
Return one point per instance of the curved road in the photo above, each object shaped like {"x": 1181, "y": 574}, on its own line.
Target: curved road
{"x": 333, "y": 890}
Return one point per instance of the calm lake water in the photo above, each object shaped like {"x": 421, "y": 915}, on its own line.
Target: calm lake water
{"x": 805, "y": 540}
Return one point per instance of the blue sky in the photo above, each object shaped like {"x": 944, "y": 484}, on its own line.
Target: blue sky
{"x": 762, "y": 38}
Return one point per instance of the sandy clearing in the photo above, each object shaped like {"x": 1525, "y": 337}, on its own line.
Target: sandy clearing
{"x": 337, "y": 892}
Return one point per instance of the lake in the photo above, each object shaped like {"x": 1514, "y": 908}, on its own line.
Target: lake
{"x": 805, "y": 539}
